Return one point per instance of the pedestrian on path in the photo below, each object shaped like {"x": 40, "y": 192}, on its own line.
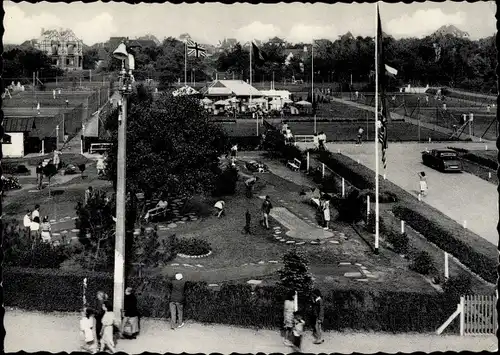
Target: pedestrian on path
{"x": 234, "y": 151}
{"x": 288, "y": 309}
{"x": 360, "y": 136}
{"x": 177, "y": 302}
{"x": 35, "y": 229}
{"x": 39, "y": 175}
{"x": 326, "y": 212}
{"x": 87, "y": 329}
{"x": 108, "y": 321}
{"x": 36, "y": 212}
{"x": 423, "y": 183}
{"x": 88, "y": 194}
{"x": 46, "y": 230}
{"x": 319, "y": 316}
{"x": 219, "y": 208}
{"x": 316, "y": 140}
{"x": 130, "y": 323}
{"x": 27, "y": 222}
{"x": 298, "y": 331}
{"x": 100, "y": 299}
{"x": 248, "y": 220}
{"x": 266, "y": 209}
{"x": 321, "y": 140}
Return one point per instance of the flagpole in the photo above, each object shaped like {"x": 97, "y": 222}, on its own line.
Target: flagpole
{"x": 377, "y": 212}
{"x": 250, "y": 100}
{"x": 312, "y": 72}
{"x": 185, "y": 64}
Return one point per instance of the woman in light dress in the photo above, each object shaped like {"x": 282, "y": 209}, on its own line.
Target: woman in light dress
{"x": 288, "y": 309}
{"x": 326, "y": 213}
{"x": 423, "y": 183}
{"x": 108, "y": 321}
{"x": 87, "y": 328}
{"x": 46, "y": 230}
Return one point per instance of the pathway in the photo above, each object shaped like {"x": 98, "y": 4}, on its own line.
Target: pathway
{"x": 58, "y": 332}
{"x": 462, "y": 197}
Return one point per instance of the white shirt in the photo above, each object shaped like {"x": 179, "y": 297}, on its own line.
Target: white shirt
{"x": 35, "y": 214}
{"x": 219, "y": 204}
{"x": 35, "y": 226}
{"x": 27, "y": 221}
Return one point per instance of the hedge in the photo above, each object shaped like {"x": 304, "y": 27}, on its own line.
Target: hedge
{"x": 484, "y": 161}
{"x": 234, "y": 304}
{"x": 473, "y": 251}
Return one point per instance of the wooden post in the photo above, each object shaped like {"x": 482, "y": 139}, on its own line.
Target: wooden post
{"x": 402, "y": 227}
{"x": 307, "y": 162}
{"x": 367, "y": 205}
{"x": 420, "y": 197}
{"x": 43, "y": 146}
{"x": 446, "y": 266}
{"x": 462, "y": 315}
{"x": 449, "y": 320}
{"x": 322, "y": 170}
{"x": 343, "y": 187}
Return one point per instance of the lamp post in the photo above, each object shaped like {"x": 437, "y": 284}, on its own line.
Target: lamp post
{"x": 125, "y": 88}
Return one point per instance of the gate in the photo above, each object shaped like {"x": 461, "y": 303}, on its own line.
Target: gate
{"x": 479, "y": 315}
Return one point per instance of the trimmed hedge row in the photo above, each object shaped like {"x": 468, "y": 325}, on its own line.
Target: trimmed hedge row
{"x": 234, "y": 304}
{"x": 472, "y": 250}
{"x": 485, "y": 161}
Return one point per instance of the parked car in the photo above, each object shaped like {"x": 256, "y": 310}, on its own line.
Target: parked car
{"x": 442, "y": 159}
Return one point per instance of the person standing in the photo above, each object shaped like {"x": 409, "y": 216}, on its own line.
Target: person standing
{"x": 56, "y": 160}
{"x": 35, "y": 229}
{"x": 27, "y": 222}
{"x": 39, "y": 176}
{"x": 36, "y": 212}
{"x": 88, "y": 194}
{"x": 177, "y": 302}
{"x": 298, "y": 331}
{"x": 319, "y": 316}
{"x": 108, "y": 321}
{"x": 234, "y": 151}
{"x": 100, "y": 298}
{"x": 423, "y": 183}
{"x": 130, "y": 323}
{"x": 249, "y": 184}
{"x": 288, "y": 309}
{"x": 316, "y": 140}
{"x": 100, "y": 166}
{"x": 87, "y": 328}
{"x": 46, "y": 230}
{"x": 266, "y": 209}
{"x": 248, "y": 220}
{"x": 360, "y": 136}
{"x": 219, "y": 208}
{"x": 326, "y": 212}
{"x": 321, "y": 140}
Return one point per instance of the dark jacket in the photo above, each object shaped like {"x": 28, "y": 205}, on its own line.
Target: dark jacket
{"x": 130, "y": 306}
{"x": 266, "y": 206}
{"x": 319, "y": 310}
{"x": 177, "y": 294}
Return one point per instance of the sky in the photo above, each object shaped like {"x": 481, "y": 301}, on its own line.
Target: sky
{"x": 211, "y": 22}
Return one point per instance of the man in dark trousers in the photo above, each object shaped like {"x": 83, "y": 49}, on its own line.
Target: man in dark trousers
{"x": 177, "y": 302}
{"x": 266, "y": 209}
{"x": 249, "y": 184}
{"x": 248, "y": 220}
{"x": 39, "y": 175}
{"x": 319, "y": 316}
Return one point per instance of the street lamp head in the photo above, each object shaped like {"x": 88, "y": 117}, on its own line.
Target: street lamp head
{"x": 120, "y": 52}
{"x": 131, "y": 62}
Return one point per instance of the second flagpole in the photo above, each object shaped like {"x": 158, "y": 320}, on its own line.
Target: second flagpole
{"x": 185, "y": 64}
{"x": 377, "y": 211}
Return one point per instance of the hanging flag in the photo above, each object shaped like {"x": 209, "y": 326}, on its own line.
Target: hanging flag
{"x": 384, "y": 112}
{"x": 195, "y": 49}
{"x": 391, "y": 70}
{"x": 257, "y": 54}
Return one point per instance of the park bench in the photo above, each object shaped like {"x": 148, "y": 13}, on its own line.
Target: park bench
{"x": 99, "y": 147}
{"x": 159, "y": 210}
{"x": 294, "y": 164}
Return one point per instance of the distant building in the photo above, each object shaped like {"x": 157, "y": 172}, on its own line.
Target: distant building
{"x": 63, "y": 47}
{"x": 227, "y": 44}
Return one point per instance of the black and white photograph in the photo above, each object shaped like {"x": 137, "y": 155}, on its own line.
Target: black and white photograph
{"x": 249, "y": 178}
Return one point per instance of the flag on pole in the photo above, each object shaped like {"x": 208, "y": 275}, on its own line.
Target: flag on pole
{"x": 391, "y": 70}
{"x": 257, "y": 54}
{"x": 195, "y": 49}
{"x": 384, "y": 112}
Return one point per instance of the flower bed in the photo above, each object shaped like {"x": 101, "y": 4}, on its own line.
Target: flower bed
{"x": 193, "y": 247}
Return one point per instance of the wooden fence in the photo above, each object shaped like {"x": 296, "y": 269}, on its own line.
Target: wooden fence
{"x": 478, "y": 315}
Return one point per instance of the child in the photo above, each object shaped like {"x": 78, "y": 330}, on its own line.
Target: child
{"x": 108, "y": 321}
{"x": 87, "y": 329}
{"x": 423, "y": 183}
{"x": 298, "y": 331}
{"x": 219, "y": 207}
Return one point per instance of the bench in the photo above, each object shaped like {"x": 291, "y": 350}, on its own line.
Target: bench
{"x": 99, "y": 147}
{"x": 294, "y": 164}
{"x": 156, "y": 211}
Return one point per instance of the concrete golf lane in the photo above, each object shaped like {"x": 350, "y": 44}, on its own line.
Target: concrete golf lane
{"x": 462, "y": 197}
{"x": 297, "y": 228}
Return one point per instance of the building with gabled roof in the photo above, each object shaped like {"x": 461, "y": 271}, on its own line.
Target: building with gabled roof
{"x": 231, "y": 88}
{"x": 63, "y": 48}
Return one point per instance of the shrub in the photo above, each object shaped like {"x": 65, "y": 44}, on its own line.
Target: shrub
{"x": 234, "y": 304}
{"x": 10, "y": 183}
{"x": 150, "y": 251}
{"x": 485, "y": 161}
{"x": 192, "y": 246}
{"x": 457, "y": 286}
{"x": 295, "y": 274}
{"x": 399, "y": 241}
{"x": 350, "y": 209}
{"x": 22, "y": 169}
{"x": 226, "y": 183}
{"x": 473, "y": 251}
{"x": 422, "y": 263}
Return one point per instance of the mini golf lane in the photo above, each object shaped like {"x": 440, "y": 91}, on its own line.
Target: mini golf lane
{"x": 297, "y": 228}
{"x": 462, "y": 197}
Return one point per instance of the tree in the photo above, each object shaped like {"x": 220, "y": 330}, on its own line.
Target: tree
{"x": 22, "y": 63}
{"x": 49, "y": 171}
{"x": 172, "y": 147}
{"x": 90, "y": 58}
{"x": 295, "y": 274}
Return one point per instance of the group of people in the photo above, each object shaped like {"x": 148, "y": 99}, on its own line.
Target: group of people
{"x": 34, "y": 228}
{"x": 220, "y": 207}
{"x": 294, "y": 322}
{"x": 320, "y": 140}
{"x": 100, "y": 330}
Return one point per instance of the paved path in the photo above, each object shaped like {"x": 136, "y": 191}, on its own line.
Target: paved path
{"x": 57, "y": 332}
{"x": 473, "y": 94}
{"x": 459, "y": 196}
